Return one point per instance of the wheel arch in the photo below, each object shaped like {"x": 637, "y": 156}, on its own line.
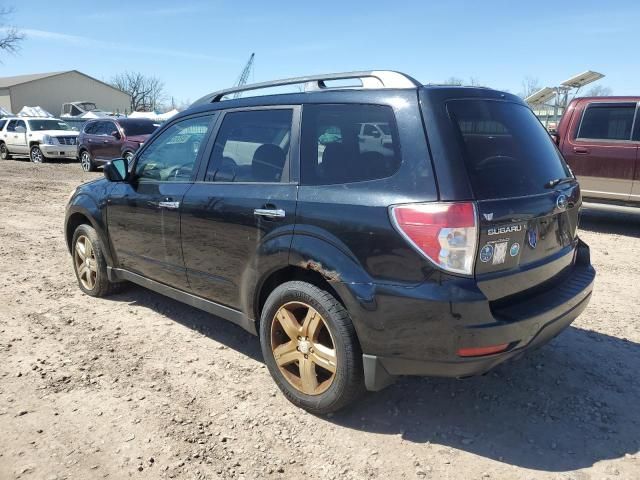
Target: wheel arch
{"x": 288, "y": 274}
{"x": 84, "y": 211}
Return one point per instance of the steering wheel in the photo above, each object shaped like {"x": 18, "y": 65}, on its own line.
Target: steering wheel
{"x": 177, "y": 171}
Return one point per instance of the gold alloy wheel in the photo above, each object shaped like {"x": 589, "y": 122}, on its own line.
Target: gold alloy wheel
{"x": 303, "y": 348}
{"x": 85, "y": 259}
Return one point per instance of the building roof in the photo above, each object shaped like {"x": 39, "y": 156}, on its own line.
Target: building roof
{"x": 7, "y": 82}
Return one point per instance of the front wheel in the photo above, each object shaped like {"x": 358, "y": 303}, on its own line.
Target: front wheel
{"x": 86, "y": 162}
{"x": 89, "y": 263}
{"x": 36, "y": 155}
{"x": 310, "y": 347}
{"x": 4, "y": 152}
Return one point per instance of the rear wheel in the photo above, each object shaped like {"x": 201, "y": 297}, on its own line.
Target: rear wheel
{"x": 89, "y": 263}
{"x": 36, "y": 155}
{"x": 86, "y": 162}
{"x": 4, "y": 152}
{"x": 310, "y": 347}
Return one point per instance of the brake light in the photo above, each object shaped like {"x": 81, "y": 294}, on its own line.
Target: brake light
{"x": 446, "y": 233}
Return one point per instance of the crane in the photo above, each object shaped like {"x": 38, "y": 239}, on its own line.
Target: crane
{"x": 244, "y": 76}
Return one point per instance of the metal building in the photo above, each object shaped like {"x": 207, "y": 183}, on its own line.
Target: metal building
{"x": 51, "y": 90}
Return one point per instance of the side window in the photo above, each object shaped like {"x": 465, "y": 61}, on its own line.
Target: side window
{"x": 109, "y": 128}
{"x": 251, "y": 146}
{"x": 102, "y": 128}
{"x": 21, "y": 123}
{"x": 607, "y": 122}
{"x": 2, "y": 122}
{"x": 348, "y": 143}
{"x": 90, "y": 128}
{"x": 12, "y": 126}
{"x": 172, "y": 155}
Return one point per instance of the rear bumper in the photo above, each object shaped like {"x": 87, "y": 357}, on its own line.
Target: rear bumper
{"x": 523, "y": 322}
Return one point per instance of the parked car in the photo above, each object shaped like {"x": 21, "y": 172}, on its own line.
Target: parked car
{"x": 600, "y": 140}
{"x": 104, "y": 139}
{"x": 40, "y": 139}
{"x": 446, "y": 253}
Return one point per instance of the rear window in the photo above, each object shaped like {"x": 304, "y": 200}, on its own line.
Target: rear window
{"x": 507, "y": 152}
{"x": 607, "y": 122}
{"x": 348, "y": 143}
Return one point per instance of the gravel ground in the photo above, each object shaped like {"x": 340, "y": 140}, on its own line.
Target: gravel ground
{"x": 138, "y": 385}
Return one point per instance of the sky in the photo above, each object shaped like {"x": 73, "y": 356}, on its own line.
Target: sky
{"x": 196, "y": 47}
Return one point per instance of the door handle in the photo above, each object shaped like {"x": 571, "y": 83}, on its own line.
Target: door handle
{"x": 269, "y": 212}
{"x": 580, "y": 150}
{"x": 105, "y": 141}
{"x": 169, "y": 205}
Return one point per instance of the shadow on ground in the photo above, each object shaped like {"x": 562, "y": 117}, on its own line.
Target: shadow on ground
{"x": 611, "y": 219}
{"x": 564, "y": 407}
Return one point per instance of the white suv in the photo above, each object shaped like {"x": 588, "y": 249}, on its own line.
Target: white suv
{"x": 38, "y": 138}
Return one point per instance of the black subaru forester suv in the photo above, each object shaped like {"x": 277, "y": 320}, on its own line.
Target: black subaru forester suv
{"x": 365, "y": 228}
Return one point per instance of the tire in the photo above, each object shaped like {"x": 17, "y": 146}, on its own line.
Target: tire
{"x": 302, "y": 301}
{"x": 36, "y": 155}
{"x": 93, "y": 280}
{"x": 4, "y": 152}
{"x": 86, "y": 161}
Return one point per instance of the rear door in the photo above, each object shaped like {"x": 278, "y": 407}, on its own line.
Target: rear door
{"x": 635, "y": 189}
{"x": 600, "y": 151}
{"x": 239, "y": 216}
{"x": 17, "y": 140}
{"x": 526, "y": 219}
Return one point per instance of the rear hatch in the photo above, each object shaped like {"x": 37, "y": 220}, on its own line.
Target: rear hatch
{"x": 526, "y": 197}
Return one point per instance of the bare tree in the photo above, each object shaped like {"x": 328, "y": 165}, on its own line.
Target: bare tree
{"x": 458, "y": 82}
{"x": 598, "y": 91}
{"x": 10, "y": 37}
{"x": 454, "y": 81}
{"x": 530, "y": 85}
{"x": 147, "y": 93}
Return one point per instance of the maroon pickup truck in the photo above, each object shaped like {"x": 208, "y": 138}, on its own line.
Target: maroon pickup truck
{"x": 600, "y": 140}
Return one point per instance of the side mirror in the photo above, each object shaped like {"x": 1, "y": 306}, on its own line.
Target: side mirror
{"x": 116, "y": 135}
{"x": 116, "y": 170}
{"x": 20, "y": 129}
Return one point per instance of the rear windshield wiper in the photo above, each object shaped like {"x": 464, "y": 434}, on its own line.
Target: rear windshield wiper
{"x": 558, "y": 181}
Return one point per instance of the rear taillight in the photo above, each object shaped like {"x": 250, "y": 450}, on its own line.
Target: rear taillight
{"x": 446, "y": 233}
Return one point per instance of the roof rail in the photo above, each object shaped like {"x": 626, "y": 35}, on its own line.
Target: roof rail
{"x": 369, "y": 79}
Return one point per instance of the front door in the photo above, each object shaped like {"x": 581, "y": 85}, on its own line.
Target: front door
{"x": 239, "y": 218}
{"x": 143, "y": 214}
{"x": 601, "y": 153}
{"x": 102, "y": 140}
{"x": 111, "y": 144}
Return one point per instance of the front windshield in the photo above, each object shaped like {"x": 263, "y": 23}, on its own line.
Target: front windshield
{"x": 48, "y": 125}
{"x": 87, "y": 106}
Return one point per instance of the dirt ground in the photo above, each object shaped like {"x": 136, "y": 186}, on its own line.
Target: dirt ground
{"x": 140, "y": 386}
